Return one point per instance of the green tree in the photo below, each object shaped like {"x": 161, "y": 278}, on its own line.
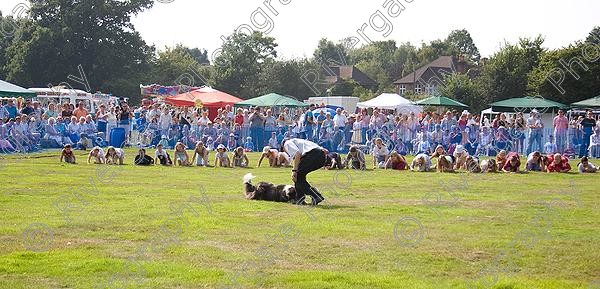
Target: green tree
{"x": 432, "y": 51}
{"x": 328, "y": 53}
{"x": 173, "y": 63}
{"x": 9, "y": 29}
{"x": 505, "y": 75}
{"x": 552, "y": 80}
{"x": 283, "y": 77}
{"x": 242, "y": 59}
{"x": 461, "y": 41}
{"x": 462, "y": 88}
{"x": 594, "y": 36}
{"x": 200, "y": 55}
{"x": 97, "y": 35}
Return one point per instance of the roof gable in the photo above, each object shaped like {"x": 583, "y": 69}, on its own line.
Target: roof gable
{"x": 442, "y": 65}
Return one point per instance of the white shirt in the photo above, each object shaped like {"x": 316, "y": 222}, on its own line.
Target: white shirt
{"x": 339, "y": 120}
{"x": 287, "y": 158}
{"x": 301, "y": 146}
{"x": 100, "y": 154}
{"x": 119, "y": 152}
{"x": 165, "y": 120}
{"x": 383, "y": 151}
{"x": 158, "y": 153}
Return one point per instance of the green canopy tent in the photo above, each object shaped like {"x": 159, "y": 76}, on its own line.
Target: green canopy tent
{"x": 593, "y": 102}
{"x": 526, "y": 104}
{"x": 441, "y": 101}
{"x": 11, "y": 90}
{"x": 271, "y": 100}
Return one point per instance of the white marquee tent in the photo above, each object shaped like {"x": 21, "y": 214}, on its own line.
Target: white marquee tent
{"x": 391, "y": 101}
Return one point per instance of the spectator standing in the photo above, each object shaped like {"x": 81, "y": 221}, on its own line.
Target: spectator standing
{"x": 561, "y": 126}
{"x": 535, "y": 125}
{"x": 80, "y": 111}
{"x": 587, "y": 125}
{"x": 257, "y": 128}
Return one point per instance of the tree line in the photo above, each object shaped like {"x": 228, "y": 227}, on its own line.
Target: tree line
{"x": 58, "y": 36}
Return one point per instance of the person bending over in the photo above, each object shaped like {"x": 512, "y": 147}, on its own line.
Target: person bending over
{"x": 181, "y": 156}
{"x": 307, "y": 157}
{"x": 271, "y": 154}
{"x": 535, "y": 162}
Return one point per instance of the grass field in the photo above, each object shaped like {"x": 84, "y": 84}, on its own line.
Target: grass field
{"x": 82, "y": 226}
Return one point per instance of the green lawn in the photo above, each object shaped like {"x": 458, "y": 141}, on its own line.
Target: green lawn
{"x": 82, "y": 226}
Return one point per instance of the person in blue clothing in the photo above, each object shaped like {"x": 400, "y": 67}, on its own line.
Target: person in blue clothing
{"x": 257, "y": 128}
{"x": 11, "y": 108}
{"x": 249, "y": 145}
{"x": 309, "y": 123}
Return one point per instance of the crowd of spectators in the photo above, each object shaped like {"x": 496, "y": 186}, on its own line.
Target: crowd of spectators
{"x": 29, "y": 126}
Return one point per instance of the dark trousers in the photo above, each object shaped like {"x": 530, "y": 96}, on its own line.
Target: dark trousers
{"x": 310, "y": 161}
{"x": 585, "y": 143}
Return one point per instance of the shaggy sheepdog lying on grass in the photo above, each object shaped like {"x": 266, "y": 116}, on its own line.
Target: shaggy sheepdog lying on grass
{"x": 268, "y": 192}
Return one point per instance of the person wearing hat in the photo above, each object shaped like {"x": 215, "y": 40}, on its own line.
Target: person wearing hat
{"x": 536, "y": 126}
{"x": 460, "y": 155}
{"x": 221, "y": 157}
{"x": 307, "y": 157}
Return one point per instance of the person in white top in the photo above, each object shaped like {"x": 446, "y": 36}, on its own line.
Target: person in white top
{"x": 307, "y": 157}
{"x": 339, "y": 120}
{"x": 380, "y": 154}
{"x": 98, "y": 154}
{"x": 114, "y": 156}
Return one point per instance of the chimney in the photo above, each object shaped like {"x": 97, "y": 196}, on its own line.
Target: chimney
{"x": 461, "y": 64}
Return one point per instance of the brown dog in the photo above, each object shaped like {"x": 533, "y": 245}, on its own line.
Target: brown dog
{"x": 472, "y": 165}
{"x": 445, "y": 164}
{"x": 489, "y": 166}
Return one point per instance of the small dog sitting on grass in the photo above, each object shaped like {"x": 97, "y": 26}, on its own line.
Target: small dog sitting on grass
{"x": 264, "y": 191}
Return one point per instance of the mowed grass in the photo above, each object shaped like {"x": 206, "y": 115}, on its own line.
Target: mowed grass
{"x": 376, "y": 229}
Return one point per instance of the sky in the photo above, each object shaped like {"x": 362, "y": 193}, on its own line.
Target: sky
{"x": 297, "y": 25}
